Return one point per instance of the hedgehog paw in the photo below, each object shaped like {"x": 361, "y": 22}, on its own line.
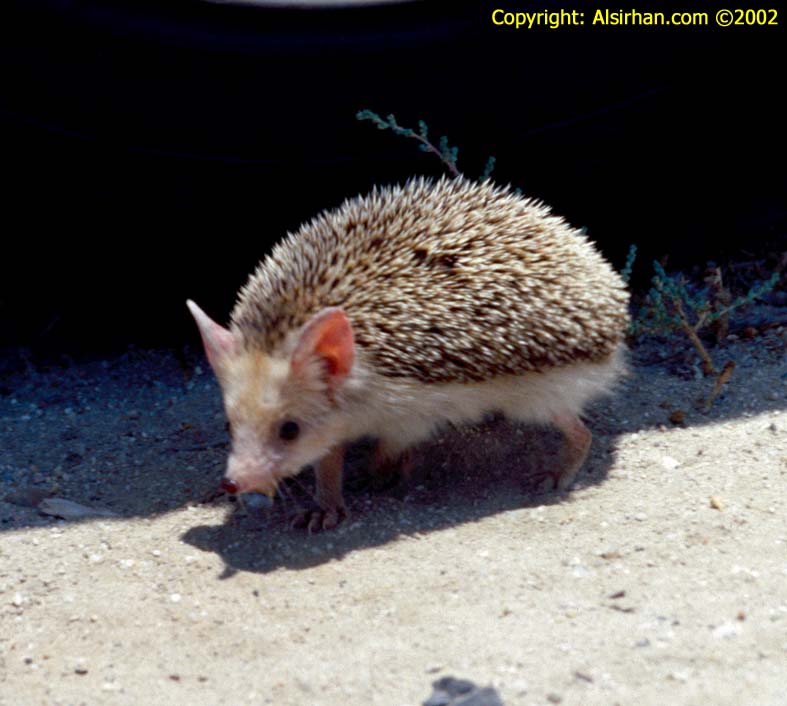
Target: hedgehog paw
{"x": 318, "y": 519}
{"x": 549, "y": 481}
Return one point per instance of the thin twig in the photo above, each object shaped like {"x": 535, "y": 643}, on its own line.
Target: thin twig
{"x": 447, "y": 155}
{"x": 707, "y": 362}
{"x": 429, "y": 147}
{"x": 722, "y": 379}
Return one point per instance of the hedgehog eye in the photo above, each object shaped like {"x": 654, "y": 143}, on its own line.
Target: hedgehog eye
{"x": 289, "y": 430}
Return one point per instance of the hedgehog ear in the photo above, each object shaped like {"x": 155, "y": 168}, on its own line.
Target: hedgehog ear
{"x": 328, "y": 337}
{"x": 219, "y": 342}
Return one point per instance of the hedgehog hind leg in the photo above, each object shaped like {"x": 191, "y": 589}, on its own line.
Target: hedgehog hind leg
{"x": 391, "y": 464}
{"x": 576, "y": 446}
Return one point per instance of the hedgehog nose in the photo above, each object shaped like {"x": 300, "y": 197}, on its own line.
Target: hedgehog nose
{"x": 229, "y": 486}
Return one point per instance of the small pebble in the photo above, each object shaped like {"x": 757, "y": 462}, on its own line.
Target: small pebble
{"x": 678, "y": 416}
{"x": 70, "y": 510}
{"x": 716, "y": 502}
{"x": 580, "y": 570}
{"x": 449, "y": 691}
{"x": 727, "y": 630}
{"x": 611, "y": 554}
{"x": 749, "y": 332}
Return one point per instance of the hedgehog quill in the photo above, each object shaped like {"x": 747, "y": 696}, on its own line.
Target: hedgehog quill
{"x": 401, "y": 311}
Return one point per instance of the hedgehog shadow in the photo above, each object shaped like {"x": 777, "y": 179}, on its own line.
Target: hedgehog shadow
{"x": 462, "y": 476}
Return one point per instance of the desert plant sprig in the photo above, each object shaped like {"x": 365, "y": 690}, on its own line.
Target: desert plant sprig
{"x": 490, "y": 165}
{"x": 448, "y": 155}
{"x": 758, "y": 290}
{"x": 672, "y": 305}
{"x": 625, "y": 273}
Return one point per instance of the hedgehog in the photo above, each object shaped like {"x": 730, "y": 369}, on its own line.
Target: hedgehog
{"x": 418, "y": 306}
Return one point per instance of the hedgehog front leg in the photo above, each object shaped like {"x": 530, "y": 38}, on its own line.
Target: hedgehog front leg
{"x": 390, "y": 461}
{"x": 330, "y": 510}
{"x": 577, "y": 439}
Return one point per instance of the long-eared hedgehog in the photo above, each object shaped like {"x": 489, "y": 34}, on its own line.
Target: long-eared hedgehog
{"x": 406, "y": 309}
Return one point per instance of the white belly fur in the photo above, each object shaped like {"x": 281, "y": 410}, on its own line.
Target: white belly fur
{"x": 404, "y": 413}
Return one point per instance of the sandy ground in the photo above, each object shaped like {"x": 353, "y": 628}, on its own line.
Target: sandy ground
{"x": 661, "y": 578}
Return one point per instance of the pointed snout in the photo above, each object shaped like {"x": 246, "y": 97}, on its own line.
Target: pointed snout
{"x": 248, "y": 476}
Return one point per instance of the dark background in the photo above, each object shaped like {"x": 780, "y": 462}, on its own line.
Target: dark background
{"x": 154, "y": 152}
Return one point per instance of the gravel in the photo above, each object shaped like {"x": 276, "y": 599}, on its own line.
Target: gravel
{"x": 659, "y": 578}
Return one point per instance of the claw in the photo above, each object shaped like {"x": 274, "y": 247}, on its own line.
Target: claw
{"x": 547, "y": 484}
{"x": 553, "y": 481}
{"x": 317, "y": 520}
{"x": 575, "y": 451}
